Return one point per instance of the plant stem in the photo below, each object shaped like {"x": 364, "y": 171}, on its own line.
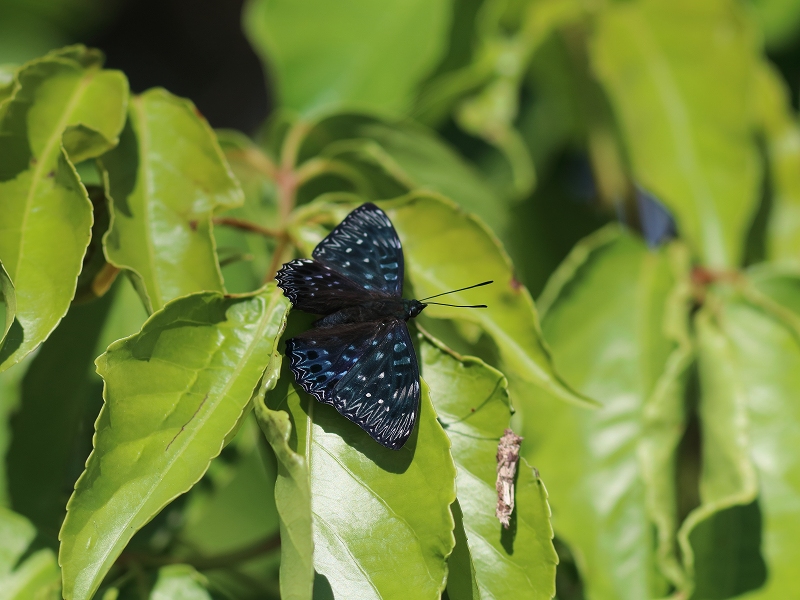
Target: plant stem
{"x": 277, "y": 258}
{"x": 247, "y": 226}
{"x": 220, "y": 561}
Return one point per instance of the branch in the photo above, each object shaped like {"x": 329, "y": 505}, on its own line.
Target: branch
{"x": 204, "y": 563}
{"x": 246, "y": 226}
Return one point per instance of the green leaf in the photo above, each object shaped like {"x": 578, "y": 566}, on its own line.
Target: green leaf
{"x": 471, "y": 400}
{"x": 173, "y": 392}
{"x": 749, "y": 365}
{"x": 357, "y": 56}
{"x": 419, "y": 160}
{"x": 664, "y": 63}
{"x": 47, "y": 429}
{"x": 179, "y": 582}
{"x": 10, "y": 393}
{"x": 8, "y": 302}
{"x": 166, "y": 178}
{"x": 380, "y": 518}
{"x": 615, "y": 318}
{"x": 292, "y": 495}
{"x": 782, "y": 133}
{"x": 240, "y": 511}
{"x": 8, "y": 86}
{"x": 67, "y": 109}
{"x": 779, "y": 21}
{"x": 445, "y": 249}
{"x": 511, "y": 33}
{"x": 25, "y": 573}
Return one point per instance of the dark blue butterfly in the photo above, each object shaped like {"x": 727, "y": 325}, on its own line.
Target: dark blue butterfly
{"x": 358, "y": 357}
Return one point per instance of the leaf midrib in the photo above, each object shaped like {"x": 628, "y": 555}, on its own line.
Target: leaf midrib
{"x": 193, "y": 432}
{"x": 44, "y": 160}
{"x": 687, "y": 161}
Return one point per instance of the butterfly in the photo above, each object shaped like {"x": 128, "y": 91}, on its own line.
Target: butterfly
{"x": 358, "y": 357}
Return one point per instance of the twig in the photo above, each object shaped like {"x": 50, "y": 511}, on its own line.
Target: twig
{"x": 246, "y": 226}
{"x": 277, "y": 259}
{"x": 220, "y": 561}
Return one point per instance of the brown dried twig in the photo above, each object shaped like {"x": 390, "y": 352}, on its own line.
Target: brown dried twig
{"x": 507, "y": 460}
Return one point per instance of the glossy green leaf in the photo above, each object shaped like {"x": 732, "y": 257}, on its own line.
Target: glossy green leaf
{"x": 162, "y": 207}
{"x": 445, "y": 249}
{"x": 356, "y": 56}
{"x": 471, "y": 400}
{"x": 173, "y": 392}
{"x": 47, "y": 428}
{"x": 292, "y": 495}
{"x": 666, "y": 64}
{"x": 380, "y": 519}
{"x": 419, "y": 160}
{"x": 179, "y": 582}
{"x": 8, "y": 302}
{"x": 615, "y": 317}
{"x": 782, "y": 134}
{"x": 67, "y": 109}
{"x": 25, "y": 572}
{"x": 749, "y": 364}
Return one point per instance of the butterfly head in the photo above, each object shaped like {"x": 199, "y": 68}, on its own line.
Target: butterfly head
{"x": 412, "y": 308}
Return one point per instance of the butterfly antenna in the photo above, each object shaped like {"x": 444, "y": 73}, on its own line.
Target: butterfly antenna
{"x": 458, "y": 290}
{"x": 459, "y": 305}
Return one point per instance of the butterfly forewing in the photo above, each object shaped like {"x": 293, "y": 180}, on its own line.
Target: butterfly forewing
{"x": 315, "y": 288}
{"x": 366, "y": 249}
{"x": 381, "y": 390}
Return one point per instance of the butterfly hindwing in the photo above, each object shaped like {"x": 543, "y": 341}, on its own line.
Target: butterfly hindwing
{"x": 381, "y": 390}
{"x": 367, "y": 371}
{"x": 365, "y": 248}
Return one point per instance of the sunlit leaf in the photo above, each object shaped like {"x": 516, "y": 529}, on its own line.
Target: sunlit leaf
{"x": 380, "y": 519}
{"x": 418, "y": 160}
{"x": 26, "y": 573}
{"x": 615, "y": 318}
{"x": 166, "y": 178}
{"x": 292, "y": 498}
{"x": 8, "y": 302}
{"x": 472, "y": 403}
{"x": 179, "y": 582}
{"x": 667, "y": 65}
{"x": 173, "y": 392}
{"x": 749, "y": 364}
{"x": 782, "y": 133}
{"x": 354, "y": 56}
{"x": 67, "y": 109}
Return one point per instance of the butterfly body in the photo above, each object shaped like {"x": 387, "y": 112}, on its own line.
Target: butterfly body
{"x": 373, "y": 310}
{"x": 358, "y": 357}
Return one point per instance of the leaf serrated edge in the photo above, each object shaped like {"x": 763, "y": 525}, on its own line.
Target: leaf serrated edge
{"x": 115, "y": 345}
